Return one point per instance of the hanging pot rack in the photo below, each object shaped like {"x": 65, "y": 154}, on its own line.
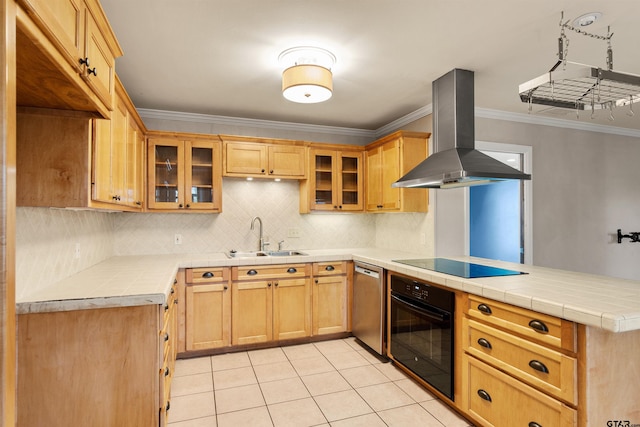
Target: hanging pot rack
{"x": 579, "y": 86}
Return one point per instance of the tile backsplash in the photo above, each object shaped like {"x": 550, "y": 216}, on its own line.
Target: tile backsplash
{"x": 47, "y": 238}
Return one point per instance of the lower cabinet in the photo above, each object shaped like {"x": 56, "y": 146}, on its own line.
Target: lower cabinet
{"x": 518, "y": 367}
{"x": 497, "y": 399}
{"x": 208, "y": 308}
{"x": 96, "y": 367}
{"x": 330, "y": 297}
{"x": 270, "y": 303}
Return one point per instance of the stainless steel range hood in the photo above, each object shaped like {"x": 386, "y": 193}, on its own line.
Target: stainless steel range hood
{"x": 455, "y": 162}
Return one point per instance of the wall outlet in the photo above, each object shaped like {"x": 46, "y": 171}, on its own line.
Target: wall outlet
{"x": 294, "y": 232}
{"x": 177, "y": 239}
{"x": 76, "y": 253}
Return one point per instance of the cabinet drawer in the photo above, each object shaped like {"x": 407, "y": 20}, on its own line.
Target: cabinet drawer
{"x": 537, "y": 326}
{"x": 547, "y": 369}
{"x": 207, "y": 275}
{"x": 496, "y": 399}
{"x": 265, "y": 272}
{"x": 329, "y": 268}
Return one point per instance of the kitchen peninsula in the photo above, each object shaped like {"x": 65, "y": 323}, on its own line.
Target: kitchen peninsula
{"x": 604, "y": 312}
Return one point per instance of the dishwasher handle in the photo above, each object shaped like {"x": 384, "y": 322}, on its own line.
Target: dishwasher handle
{"x": 362, "y": 270}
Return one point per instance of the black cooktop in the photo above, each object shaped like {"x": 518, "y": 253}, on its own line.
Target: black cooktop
{"x": 458, "y": 268}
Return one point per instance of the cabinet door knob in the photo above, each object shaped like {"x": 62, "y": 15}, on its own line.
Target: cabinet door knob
{"x": 252, "y": 272}
{"x": 329, "y": 268}
{"x": 92, "y": 71}
{"x": 539, "y": 366}
{"x": 166, "y": 371}
{"x": 180, "y": 205}
{"x": 84, "y": 61}
{"x": 262, "y": 171}
{"x": 166, "y": 336}
{"x": 268, "y": 284}
{"x": 317, "y": 281}
{"x": 271, "y": 171}
{"x": 534, "y": 424}
{"x": 225, "y": 287}
{"x": 539, "y": 326}
{"x": 292, "y": 270}
{"x": 484, "y": 343}
{"x": 207, "y": 275}
{"x": 484, "y": 395}
{"x": 484, "y": 308}
{"x": 188, "y": 205}
{"x": 276, "y": 284}
{"x": 168, "y": 406}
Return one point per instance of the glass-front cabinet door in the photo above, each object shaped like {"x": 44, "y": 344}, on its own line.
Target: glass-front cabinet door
{"x": 202, "y": 180}
{"x": 350, "y": 182}
{"x": 184, "y": 174}
{"x": 166, "y": 170}
{"x": 337, "y": 181}
{"x": 325, "y": 183}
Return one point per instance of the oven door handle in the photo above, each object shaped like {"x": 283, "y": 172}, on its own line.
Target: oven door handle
{"x": 420, "y": 310}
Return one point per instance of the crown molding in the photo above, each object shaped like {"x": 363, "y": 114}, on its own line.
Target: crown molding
{"x": 551, "y": 121}
{"x": 398, "y": 123}
{"x": 421, "y": 112}
{"x": 259, "y": 123}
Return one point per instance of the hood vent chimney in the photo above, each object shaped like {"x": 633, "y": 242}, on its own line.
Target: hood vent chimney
{"x": 455, "y": 162}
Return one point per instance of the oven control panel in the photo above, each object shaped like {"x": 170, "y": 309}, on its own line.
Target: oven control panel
{"x": 423, "y": 292}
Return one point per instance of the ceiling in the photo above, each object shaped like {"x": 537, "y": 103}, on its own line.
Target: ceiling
{"x": 220, "y": 57}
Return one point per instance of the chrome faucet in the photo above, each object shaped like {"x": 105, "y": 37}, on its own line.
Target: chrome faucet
{"x": 261, "y": 243}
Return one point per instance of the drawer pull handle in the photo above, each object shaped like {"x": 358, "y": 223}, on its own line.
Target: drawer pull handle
{"x": 252, "y": 273}
{"x": 539, "y": 366}
{"x": 484, "y": 308}
{"x": 539, "y": 326}
{"x": 484, "y": 343}
{"x": 166, "y": 307}
{"x": 484, "y": 395}
{"x": 207, "y": 275}
{"x": 225, "y": 287}
{"x": 166, "y": 336}
{"x": 534, "y": 424}
{"x": 168, "y": 406}
{"x": 166, "y": 371}
{"x": 329, "y": 268}
{"x": 292, "y": 270}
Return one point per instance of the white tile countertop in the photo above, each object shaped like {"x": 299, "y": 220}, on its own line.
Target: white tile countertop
{"x": 604, "y": 302}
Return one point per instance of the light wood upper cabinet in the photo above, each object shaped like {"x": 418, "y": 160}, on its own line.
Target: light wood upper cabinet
{"x": 69, "y": 44}
{"x": 387, "y": 160}
{"x": 264, "y": 158}
{"x": 184, "y": 172}
{"x": 336, "y": 181}
{"x": 118, "y": 161}
{"x": 66, "y": 159}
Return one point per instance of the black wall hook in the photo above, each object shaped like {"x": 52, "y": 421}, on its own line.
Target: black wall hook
{"x": 634, "y": 236}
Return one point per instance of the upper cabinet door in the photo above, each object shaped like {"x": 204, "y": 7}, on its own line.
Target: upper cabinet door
{"x": 350, "y": 181}
{"x": 166, "y": 174}
{"x": 99, "y": 68}
{"x": 63, "y": 20}
{"x": 287, "y": 161}
{"x": 203, "y": 175}
{"x": 245, "y": 159}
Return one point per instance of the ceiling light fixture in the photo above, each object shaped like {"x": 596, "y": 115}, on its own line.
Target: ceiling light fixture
{"x": 587, "y": 19}
{"x": 307, "y": 76}
{"x": 582, "y": 87}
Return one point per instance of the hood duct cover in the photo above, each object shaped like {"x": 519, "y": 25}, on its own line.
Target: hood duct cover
{"x": 455, "y": 162}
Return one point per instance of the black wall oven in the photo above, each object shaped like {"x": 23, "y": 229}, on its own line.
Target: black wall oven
{"x": 422, "y": 331}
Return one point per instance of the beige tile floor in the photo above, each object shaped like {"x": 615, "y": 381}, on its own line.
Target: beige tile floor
{"x": 329, "y": 383}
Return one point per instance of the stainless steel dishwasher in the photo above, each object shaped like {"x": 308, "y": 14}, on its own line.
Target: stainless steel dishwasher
{"x": 369, "y": 306}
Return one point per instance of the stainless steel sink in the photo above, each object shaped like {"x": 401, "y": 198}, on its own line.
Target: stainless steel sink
{"x": 235, "y": 254}
{"x": 286, "y": 253}
{"x": 255, "y": 254}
